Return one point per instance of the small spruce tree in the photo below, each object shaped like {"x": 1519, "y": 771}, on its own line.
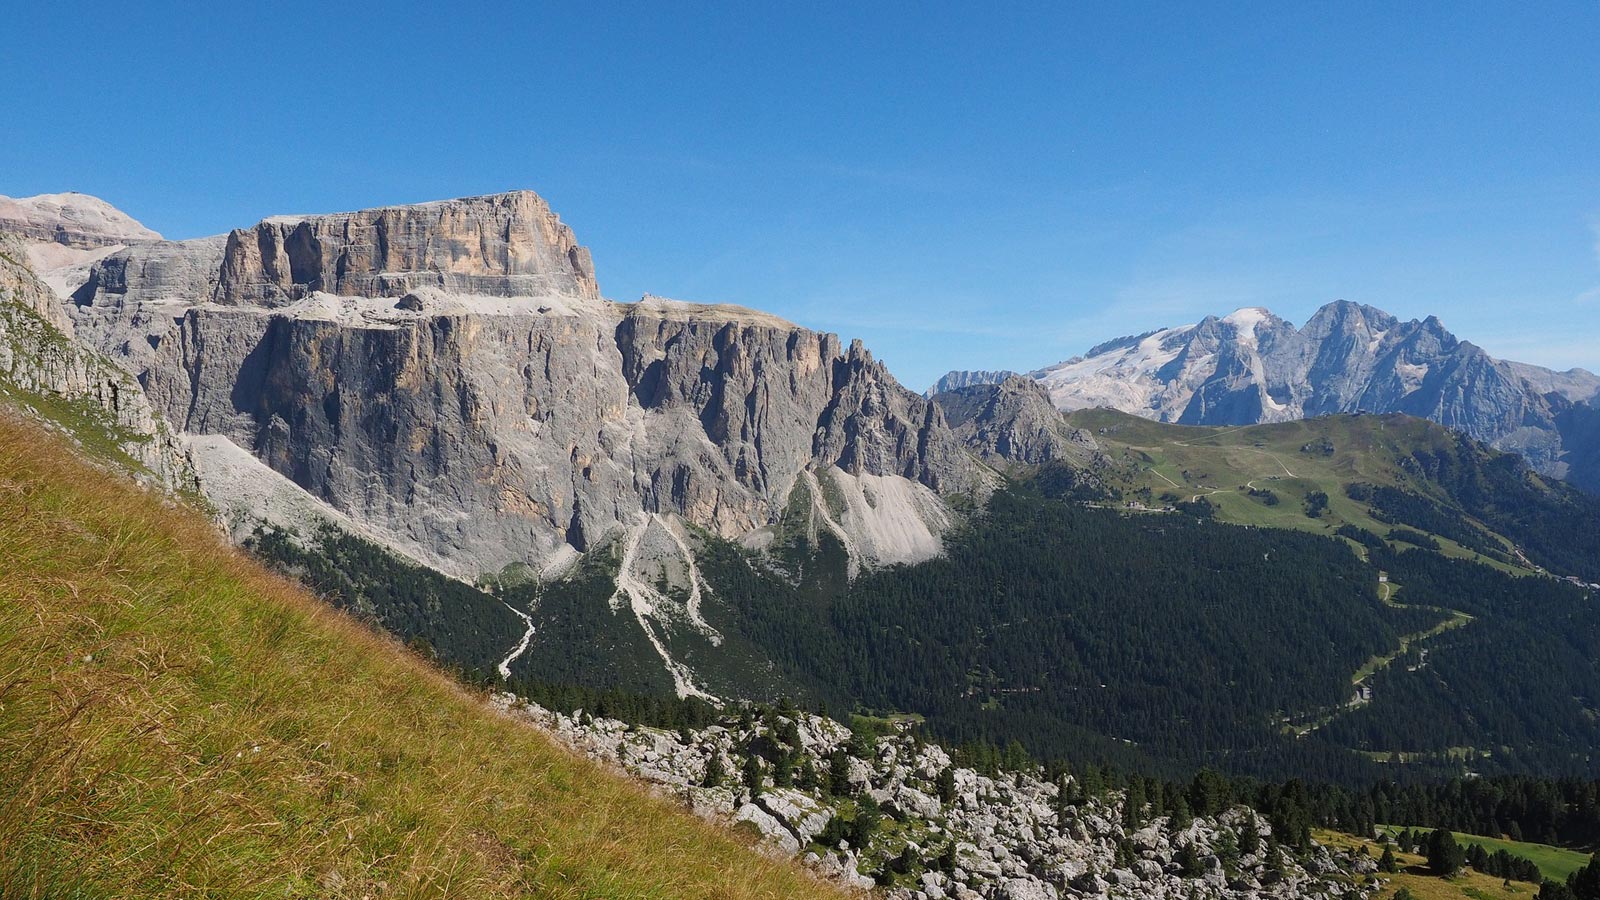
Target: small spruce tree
{"x": 839, "y": 774}
{"x": 716, "y": 773}
{"x": 752, "y": 774}
{"x": 1387, "y": 863}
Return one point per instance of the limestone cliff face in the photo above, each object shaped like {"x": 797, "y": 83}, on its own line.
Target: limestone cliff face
{"x": 487, "y": 438}
{"x": 504, "y": 245}
{"x": 957, "y": 379}
{"x": 449, "y": 376}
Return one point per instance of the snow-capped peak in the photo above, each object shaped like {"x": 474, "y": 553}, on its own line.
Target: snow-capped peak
{"x": 1247, "y": 317}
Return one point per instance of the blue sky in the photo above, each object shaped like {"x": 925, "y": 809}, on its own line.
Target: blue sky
{"x": 962, "y": 186}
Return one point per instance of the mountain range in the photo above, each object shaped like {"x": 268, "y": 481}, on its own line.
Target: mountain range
{"x": 432, "y": 415}
{"x": 1252, "y": 366}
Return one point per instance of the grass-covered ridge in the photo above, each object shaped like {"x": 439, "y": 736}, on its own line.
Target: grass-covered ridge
{"x": 1386, "y": 475}
{"x": 177, "y": 722}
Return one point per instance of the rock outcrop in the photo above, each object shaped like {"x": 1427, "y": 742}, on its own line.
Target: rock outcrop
{"x": 71, "y": 220}
{"x": 805, "y": 784}
{"x": 1252, "y": 366}
{"x": 1014, "y": 423}
{"x": 448, "y": 376}
{"x": 45, "y": 370}
{"x": 502, "y": 245}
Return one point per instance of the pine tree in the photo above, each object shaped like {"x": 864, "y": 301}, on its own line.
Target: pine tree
{"x": 752, "y": 774}
{"x": 716, "y": 773}
{"x": 945, "y": 784}
{"x": 1445, "y": 856}
{"x": 1387, "y": 862}
{"x": 1585, "y": 883}
{"x": 865, "y": 824}
{"x": 1125, "y": 854}
{"x": 1093, "y": 782}
{"x": 1249, "y": 839}
{"x": 1478, "y": 858}
{"x": 1181, "y": 816}
{"x": 1209, "y": 793}
{"x": 1555, "y": 890}
{"x": 839, "y": 773}
{"x": 1133, "y": 805}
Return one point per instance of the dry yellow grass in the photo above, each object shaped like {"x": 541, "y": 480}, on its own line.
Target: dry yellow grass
{"x": 177, "y": 722}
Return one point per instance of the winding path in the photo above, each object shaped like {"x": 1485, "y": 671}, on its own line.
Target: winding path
{"x": 1376, "y": 664}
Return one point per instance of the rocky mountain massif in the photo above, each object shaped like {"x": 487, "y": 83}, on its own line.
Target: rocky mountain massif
{"x": 446, "y": 379}
{"x": 1253, "y": 367}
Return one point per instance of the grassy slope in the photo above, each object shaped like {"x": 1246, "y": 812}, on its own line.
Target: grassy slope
{"x": 1414, "y": 876}
{"x": 1555, "y": 862}
{"x": 1220, "y": 462}
{"x": 175, "y": 721}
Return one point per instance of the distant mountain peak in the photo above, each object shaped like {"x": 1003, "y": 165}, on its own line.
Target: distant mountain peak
{"x": 71, "y": 218}
{"x": 960, "y": 378}
{"x": 1253, "y": 366}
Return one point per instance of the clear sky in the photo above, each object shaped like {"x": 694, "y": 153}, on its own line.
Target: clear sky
{"x": 963, "y": 186}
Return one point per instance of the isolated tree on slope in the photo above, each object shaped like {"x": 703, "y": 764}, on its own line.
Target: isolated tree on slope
{"x": 1387, "y": 862}
{"x": 1445, "y": 856}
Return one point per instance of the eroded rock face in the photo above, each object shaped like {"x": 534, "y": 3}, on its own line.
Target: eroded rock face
{"x": 497, "y": 437}
{"x": 21, "y": 286}
{"x": 448, "y": 375}
{"x": 41, "y": 364}
{"x": 1014, "y": 423}
{"x": 503, "y": 245}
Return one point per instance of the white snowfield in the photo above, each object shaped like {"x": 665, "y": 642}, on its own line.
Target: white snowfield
{"x": 1124, "y": 378}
